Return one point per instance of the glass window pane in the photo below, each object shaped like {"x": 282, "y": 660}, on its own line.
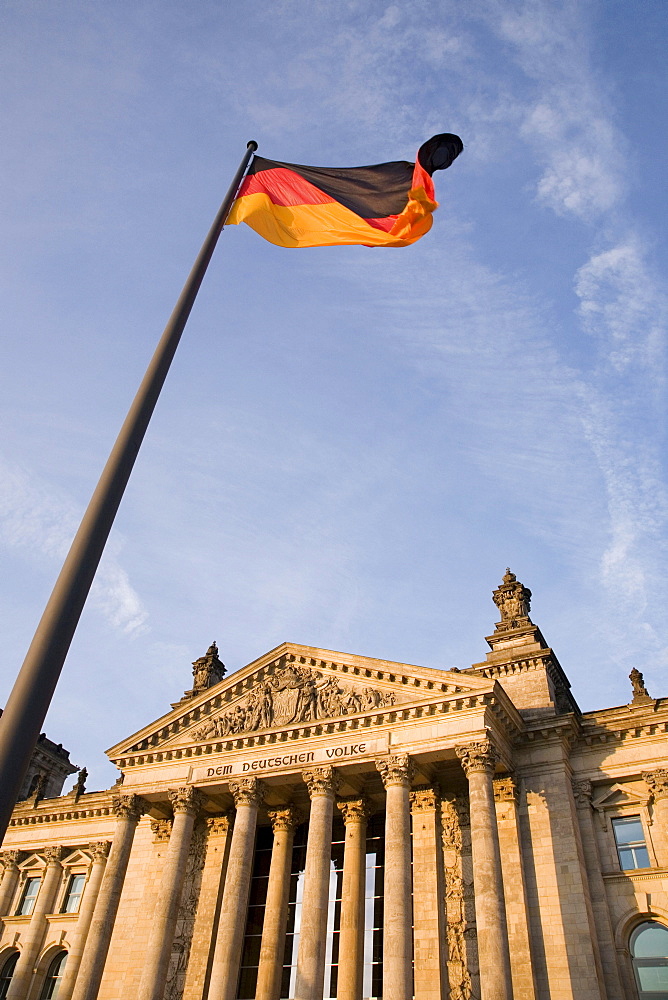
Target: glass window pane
{"x": 54, "y": 977}
{"x": 650, "y": 941}
{"x": 653, "y": 978}
{"x": 626, "y": 858}
{"x": 642, "y": 857}
{"x": 29, "y": 896}
{"x": 74, "y": 891}
{"x": 628, "y": 830}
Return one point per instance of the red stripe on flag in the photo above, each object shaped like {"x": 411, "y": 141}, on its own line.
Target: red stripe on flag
{"x": 284, "y": 188}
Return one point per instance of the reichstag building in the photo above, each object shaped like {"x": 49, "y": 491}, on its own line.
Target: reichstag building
{"x": 323, "y": 825}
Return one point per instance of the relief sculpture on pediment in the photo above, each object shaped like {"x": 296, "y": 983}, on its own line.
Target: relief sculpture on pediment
{"x": 292, "y": 695}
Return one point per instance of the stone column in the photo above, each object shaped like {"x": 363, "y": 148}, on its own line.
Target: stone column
{"x": 657, "y": 782}
{"x": 478, "y": 761}
{"x": 599, "y": 902}
{"x": 128, "y": 810}
{"x": 10, "y": 878}
{"x": 205, "y": 930}
{"x": 322, "y": 783}
{"x": 248, "y": 794}
{"x": 429, "y": 936}
{"x": 283, "y": 822}
{"x": 34, "y": 935}
{"x": 185, "y": 804}
{"x": 356, "y": 813}
{"x": 397, "y": 772}
{"x": 514, "y": 888}
{"x": 100, "y": 851}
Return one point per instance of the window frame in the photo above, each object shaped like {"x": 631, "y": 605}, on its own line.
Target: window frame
{"x": 647, "y": 921}
{"x": 70, "y": 875}
{"x": 54, "y": 975}
{"x": 11, "y": 955}
{"x": 23, "y": 896}
{"x": 632, "y": 845}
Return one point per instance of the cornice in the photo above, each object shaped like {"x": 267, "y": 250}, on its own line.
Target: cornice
{"x": 619, "y": 725}
{"x": 363, "y": 669}
{"x": 494, "y": 700}
{"x": 63, "y": 808}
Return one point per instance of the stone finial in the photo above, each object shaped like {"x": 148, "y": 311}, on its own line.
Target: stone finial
{"x": 396, "y": 769}
{"x": 284, "y": 819}
{"x": 322, "y": 780}
{"x": 641, "y": 695}
{"x": 247, "y": 791}
{"x": 129, "y": 806}
{"x": 513, "y": 600}
{"x": 207, "y": 670}
{"x": 80, "y": 784}
{"x": 186, "y": 800}
{"x": 480, "y": 756}
{"x": 355, "y": 809}
{"x": 657, "y": 782}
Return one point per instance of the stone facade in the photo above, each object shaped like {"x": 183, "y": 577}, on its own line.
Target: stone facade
{"x": 325, "y": 825}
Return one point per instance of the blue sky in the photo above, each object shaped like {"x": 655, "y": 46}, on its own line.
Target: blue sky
{"x": 352, "y": 444}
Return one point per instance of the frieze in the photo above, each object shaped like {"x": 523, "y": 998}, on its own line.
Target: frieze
{"x": 291, "y": 696}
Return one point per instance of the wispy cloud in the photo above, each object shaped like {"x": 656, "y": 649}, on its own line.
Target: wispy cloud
{"x": 37, "y": 519}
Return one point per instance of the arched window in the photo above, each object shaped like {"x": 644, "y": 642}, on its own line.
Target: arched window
{"x": 54, "y": 977}
{"x": 7, "y": 972}
{"x": 649, "y": 950}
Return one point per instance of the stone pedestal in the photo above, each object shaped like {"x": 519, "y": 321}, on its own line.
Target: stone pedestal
{"x": 322, "y": 783}
{"x": 270, "y": 968}
{"x": 478, "y": 760}
{"x": 397, "y": 772}
{"x": 248, "y": 794}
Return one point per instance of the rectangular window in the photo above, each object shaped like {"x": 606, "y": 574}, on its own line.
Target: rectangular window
{"x": 630, "y": 840}
{"x": 74, "y": 893}
{"x": 29, "y": 896}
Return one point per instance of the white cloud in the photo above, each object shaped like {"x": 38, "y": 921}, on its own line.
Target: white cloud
{"x": 37, "y": 519}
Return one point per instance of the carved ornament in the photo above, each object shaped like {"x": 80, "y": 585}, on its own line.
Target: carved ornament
{"x": 10, "y": 859}
{"x": 285, "y": 819}
{"x": 218, "y": 825}
{"x": 396, "y": 769}
{"x": 292, "y": 695}
{"x": 161, "y": 830}
{"x": 100, "y": 849}
{"x": 657, "y": 782}
{"x": 581, "y": 792}
{"x": 54, "y": 855}
{"x": 425, "y": 798}
{"x": 129, "y": 807}
{"x": 355, "y": 810}
{"x": 247, "y": 791}
{"x": 505, "y": 789}
{"x": 186, "y": 800}
{"x": 640, "y": 693}
{"x": 207, "y": 670}
{"x": 477, "y": 757}
{"x": 513, "y": 600}
{"x": 321, "y": 780}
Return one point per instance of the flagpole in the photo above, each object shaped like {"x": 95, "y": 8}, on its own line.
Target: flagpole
{"x": 26, "y": 709}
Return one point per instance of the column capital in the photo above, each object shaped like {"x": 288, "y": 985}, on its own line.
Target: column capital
{"x": 99, "y": 849}
{"x": 321, "y": 780}
{"x": 129, "y": 806}
{"x": 505, "y": 789}
{"x": 479, "y": 756}
{"x": 581, "y": 792}
{"x": 217, "y": 825}
{"x": 161, "y": 830}
{"x": 186, "y": 800}
{"x": 54, "y": 855}
{"x": 396, "y": 769}
{"x": 657, "y": 781}
{"x": 285, "y": 819}
{"x": 247, "y": 791}
{"x": 425, "y": 798}
{"x": 355, "y": 809}
{"x": 10, "y": 859}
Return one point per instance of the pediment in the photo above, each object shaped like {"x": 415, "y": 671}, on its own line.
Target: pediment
{"x": 76, "y": 858}
{"x": 619, "y": 795}
{"x": 31, "y": 862}
{"x": 294, "y": 686}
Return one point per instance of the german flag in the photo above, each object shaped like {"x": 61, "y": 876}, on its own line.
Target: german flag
{"x": 385, "y": 205}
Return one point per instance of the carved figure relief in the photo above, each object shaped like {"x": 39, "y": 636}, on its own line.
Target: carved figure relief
{"x": 463, "y": 978}
{"x": 185, "y": 924}
{"x": 292, "y": 695}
